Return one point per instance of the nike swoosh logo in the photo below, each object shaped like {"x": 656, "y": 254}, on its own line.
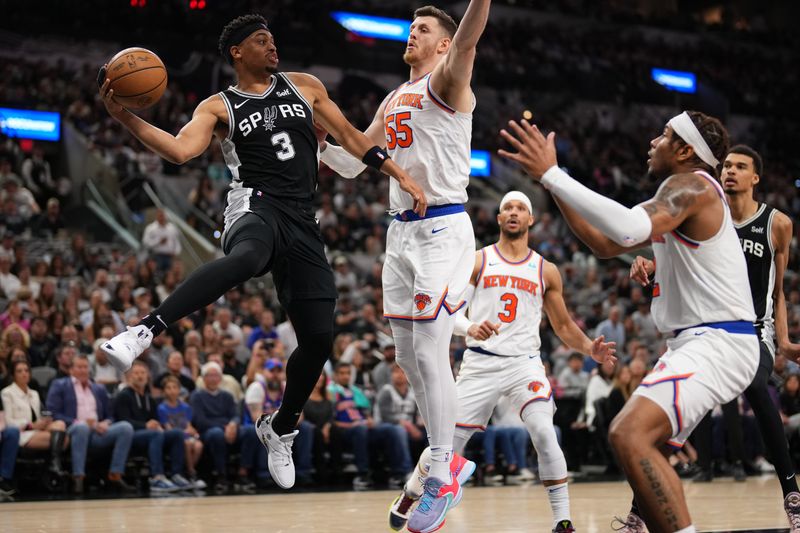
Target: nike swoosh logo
{"x": 493, "y": 264}
{"x": 790, "y": 477}
{"x": 240, "y": 104}
{"x": 698, "y": 333}
{"x": 438, "y": 230}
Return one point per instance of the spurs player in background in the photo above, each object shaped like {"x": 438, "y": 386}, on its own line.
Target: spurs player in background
{"x": 265, "y": 125}
{"x": 698, "y": 294}
{"x": 426, "y": 126}
{"x": 765, "y": 234}
{"x": 512, "y": 284}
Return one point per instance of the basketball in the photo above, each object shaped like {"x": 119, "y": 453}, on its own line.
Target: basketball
{"x": 138, "y": 78}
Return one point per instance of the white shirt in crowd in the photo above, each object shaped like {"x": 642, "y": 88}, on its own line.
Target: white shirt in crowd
{"x": 162, "y": 239}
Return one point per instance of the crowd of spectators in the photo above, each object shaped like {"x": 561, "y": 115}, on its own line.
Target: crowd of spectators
{"x": 186, "y": 409}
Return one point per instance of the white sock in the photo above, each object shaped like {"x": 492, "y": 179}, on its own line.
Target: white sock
{"x": 413, "y": 486}
{"x": 689, "y": 529}
{"x": 440, "y": 462}
{"x": 559, "y": 502}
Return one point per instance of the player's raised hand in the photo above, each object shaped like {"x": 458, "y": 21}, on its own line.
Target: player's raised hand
{"x": 603, "y": 351}
{"x": 535, "y": 152}
{"x": 113, "y": 108}
{"x": 484, "y": 330}
{"x": 641, "y": 270}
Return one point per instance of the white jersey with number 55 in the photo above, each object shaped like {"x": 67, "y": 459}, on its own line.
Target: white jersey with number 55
{"x": 429, "y": 140}
{"x": 510, "y": 294}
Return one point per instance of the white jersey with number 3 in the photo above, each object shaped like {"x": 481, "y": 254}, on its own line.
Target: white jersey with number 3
{"x": 429, "y": 140}
{"x": 510, "y": 294}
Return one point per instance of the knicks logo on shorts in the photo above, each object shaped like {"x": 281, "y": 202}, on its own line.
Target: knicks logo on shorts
{"x": 535, "y": 386}
{"x": 422, "y": 301}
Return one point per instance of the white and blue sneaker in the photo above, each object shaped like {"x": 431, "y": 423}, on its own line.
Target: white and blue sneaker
{"x": 161, "y": 485}
{"x": 122, "y": 349}
{"x": 181, "y": 482}
{"x": 439, "y": 497}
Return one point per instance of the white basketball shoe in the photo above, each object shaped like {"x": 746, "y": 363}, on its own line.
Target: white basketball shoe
{"x": 279, "y": 450}
{"x": 127, "y": 346}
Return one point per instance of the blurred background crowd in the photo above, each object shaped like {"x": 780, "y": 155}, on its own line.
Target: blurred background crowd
{"x": 95, "y": 232}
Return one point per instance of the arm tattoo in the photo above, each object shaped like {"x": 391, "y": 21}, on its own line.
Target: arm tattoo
{"x": 676, "y": 194}
{"x": 662, "y": 501}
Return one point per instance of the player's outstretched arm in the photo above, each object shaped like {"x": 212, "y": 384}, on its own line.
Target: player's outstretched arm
{"x": 340, "y": 161}
{"x": 563, "y": 325}
{"x": 679, "y": 197}
{"x": 328, "y": 115}
{"x": 453, "y": 75}
{"x": 191, "y": 141}
{"x": 781, "y": 239}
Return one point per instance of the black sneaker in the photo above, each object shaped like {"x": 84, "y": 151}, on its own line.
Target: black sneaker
{"x": 7, "y": 491}
{"x": 703, "y": 476}
{"x": 564, "y": 526}
{"x": 119, "y": 485}
{"x": 244, "y": 484}
{"x": 737, "y": 471}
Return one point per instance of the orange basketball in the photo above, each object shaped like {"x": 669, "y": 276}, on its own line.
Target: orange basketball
{"x": 138, "y": 78}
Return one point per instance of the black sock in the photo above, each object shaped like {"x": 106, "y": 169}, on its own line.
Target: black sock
{"x": 206, "y": 284}
{"x": 313, "y": 324}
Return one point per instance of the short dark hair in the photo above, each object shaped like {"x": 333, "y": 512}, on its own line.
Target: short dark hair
{"x": 170, "y": 379}
{"x": 341, "y": 364}
{"x": 713, "y": 132}
{"x": 231, "y": 27}
{"x": 743, "y": 149}
{"x": 445, "y": 20}
{"x": 139, "y": 362}
{"x": 575, "y": 355}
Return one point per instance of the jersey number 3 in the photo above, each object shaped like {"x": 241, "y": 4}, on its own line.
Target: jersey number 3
{"x": 510, "y": 310}
{"x": 283, "y": 140}
{"x": 398, "y": 133}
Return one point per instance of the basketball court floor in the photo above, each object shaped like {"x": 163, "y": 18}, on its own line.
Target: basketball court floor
{"x": 721, "y": 506}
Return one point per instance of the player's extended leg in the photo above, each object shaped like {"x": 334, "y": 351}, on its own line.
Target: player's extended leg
{"x": 313, "y": 323}
{"x": 538, "y": 419}
{"x": 246, "y": 259}
{"x": 769, "y": 421}
{"x": 636, "y": 435}
{"x": 403, "y": 334}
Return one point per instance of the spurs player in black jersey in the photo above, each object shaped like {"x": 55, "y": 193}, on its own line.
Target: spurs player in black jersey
{"x": 266, "y": 125}
{"x": 765, "y": 234}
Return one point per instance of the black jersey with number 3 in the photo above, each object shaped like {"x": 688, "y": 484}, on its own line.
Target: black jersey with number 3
{"x": 755, "y": 234}
{"x": 271, "y": 145}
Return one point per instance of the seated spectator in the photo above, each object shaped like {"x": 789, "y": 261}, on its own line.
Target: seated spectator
{"x": 64, "y": 356}
{"x": 9, "y": 283}
{"x": 382, "y": 373}
{"x": 9, "y": 445}
{"x": 790, "y": 405}
{"x": 134, "y": 404}
{"x": 319, "y": 412}
{"x": 23, "y": 410}
{"x": 13, "y": 316}
{"x": 622, "y": 388}
{"x": 396, "y": 414}
{"x": 231, "y": 364}
{"x": 174, "y": 413}
{"x": 599, "y": 387}
{"x": 214, "y": 415}
{"x": 49, "y": 223}
{"x": 176, "y": 369}
{"x": 84, "y": 408}
{"x": 42, "y": 342}
{"x": 265, "y": 330}
{"x": 103, "y": 371}
{"x": 264, "y": 397}
{"x": 224, "y": 325}
{"x": 228, "y": 383}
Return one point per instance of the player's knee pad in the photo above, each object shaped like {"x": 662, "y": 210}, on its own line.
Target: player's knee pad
{"x": 539, "y": 423}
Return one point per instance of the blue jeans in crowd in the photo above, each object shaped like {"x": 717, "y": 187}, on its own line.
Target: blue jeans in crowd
{"x": 512, "y": 441}
{"x": 82, "y": 439}
{"x": 394, "y": 439}
{"x": 9, "y": 445}
{"x": 153, "y": 443}
{"x": 217, "y": 448}
{"x": 357, "y": 440}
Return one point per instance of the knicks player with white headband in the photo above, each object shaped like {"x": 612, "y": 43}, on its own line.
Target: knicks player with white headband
{"x": 700, "y": 294}
{"x": 510, "y": 286}
{"x": 426, "y": 127}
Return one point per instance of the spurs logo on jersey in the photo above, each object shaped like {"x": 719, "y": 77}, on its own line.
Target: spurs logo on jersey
{"x": 692, "y": 285}
{"x": 431, "y": 141}
{"x": 269, "y": 116}
{"x": 755, "y": 235}
{"x": 509, "y": 293}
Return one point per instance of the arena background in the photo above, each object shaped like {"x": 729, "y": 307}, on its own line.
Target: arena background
{"x": 72, "y": 249}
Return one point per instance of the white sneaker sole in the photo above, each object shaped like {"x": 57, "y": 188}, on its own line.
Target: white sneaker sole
{"x": 274, "y": 470}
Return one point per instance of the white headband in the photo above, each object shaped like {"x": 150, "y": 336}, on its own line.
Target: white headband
{"x": 516, "y": 195}
{"x": 682, "y": 125}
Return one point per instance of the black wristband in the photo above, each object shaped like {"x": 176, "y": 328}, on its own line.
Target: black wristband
{"x": 375, "y": 157}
